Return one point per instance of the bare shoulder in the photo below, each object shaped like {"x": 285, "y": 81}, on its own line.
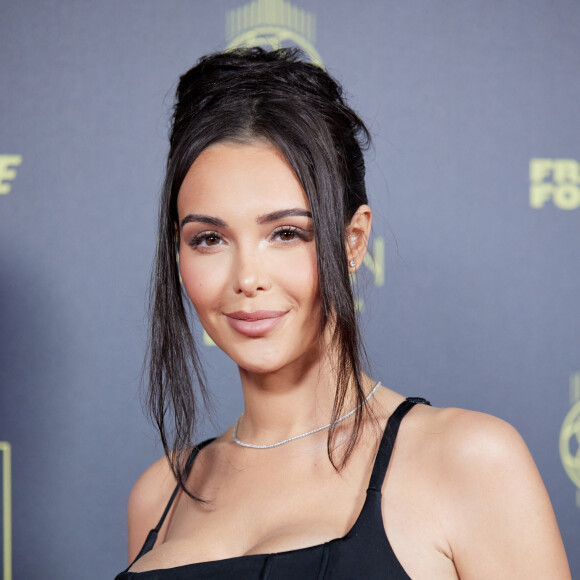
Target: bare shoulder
{"x": 147, "y": 500}
{"x": 463, "y": 440}
{"x": 490, "y": 498}
{"x": 478, "y": 456}
{"x": 470, "y": 440}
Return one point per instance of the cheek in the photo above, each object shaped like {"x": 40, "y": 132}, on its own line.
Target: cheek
{"x": 299, "y": 276}
{"x": 202, "y": 281}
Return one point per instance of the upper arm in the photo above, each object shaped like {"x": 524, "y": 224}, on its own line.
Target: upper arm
{"x": 147, "y": 501}
{"x": 500, "y": 520}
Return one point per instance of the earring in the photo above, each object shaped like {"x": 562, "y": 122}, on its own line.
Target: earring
{"x": 352, "y": 263}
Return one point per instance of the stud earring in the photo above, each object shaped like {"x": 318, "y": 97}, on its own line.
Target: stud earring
{"x": 352, "y": 263}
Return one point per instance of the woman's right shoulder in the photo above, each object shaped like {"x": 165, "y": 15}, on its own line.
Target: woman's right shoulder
{"x": 147, "y": 501}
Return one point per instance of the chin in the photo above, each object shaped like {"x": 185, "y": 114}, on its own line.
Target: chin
{"x": 272, "y": 360}
{"x": 260, "y": 365}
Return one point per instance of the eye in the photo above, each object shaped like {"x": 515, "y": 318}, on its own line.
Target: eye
{"x": 206, "y": 239}
{"x": 287, "y": 235}
{"x": 290, "y": 234}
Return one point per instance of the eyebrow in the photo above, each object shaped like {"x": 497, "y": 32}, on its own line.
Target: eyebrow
{"x": 203, "y": 219}
{"x": 281, "y": 214}
{"x": 261, "y": 219}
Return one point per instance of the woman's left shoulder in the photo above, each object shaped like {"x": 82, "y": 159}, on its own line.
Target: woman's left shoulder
{"x": 469, "y": 436}
{"x": 468, "y": 440}
{"x": 473, "y": 447}
{"x": 490, "y": 497}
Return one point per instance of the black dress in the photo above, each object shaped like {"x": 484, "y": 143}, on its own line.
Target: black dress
{"x": 363, "y": 553}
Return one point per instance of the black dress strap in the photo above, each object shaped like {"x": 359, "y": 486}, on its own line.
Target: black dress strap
{"x": 388, "y": 441}
{"x": 152, "y": 535}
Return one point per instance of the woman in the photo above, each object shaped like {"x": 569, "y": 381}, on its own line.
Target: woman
{"x": 265, "y": 206}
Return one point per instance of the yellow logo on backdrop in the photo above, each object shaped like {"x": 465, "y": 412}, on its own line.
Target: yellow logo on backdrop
{"x": 6, "y": 511}
{"x": 272, "y": 23}
{"x": 570, "y": 436}
{"x": 7, "y": 171}
{"x": 555, "y": 180}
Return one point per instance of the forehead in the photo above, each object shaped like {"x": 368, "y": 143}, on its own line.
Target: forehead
{"x": 253, "y": 177}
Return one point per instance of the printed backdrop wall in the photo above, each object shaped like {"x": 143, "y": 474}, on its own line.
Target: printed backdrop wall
{"x": 472, "y": 296}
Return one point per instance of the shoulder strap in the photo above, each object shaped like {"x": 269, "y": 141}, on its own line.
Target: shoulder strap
{"x": 388, "y": 441}
{"x": 152, "y": 535}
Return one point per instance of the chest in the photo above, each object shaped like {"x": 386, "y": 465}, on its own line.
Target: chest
{"x": 271, "y": 506}
{"x": 268, "y": 507}
{"x": 289, "y": 507}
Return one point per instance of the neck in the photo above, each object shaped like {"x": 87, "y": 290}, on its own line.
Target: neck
{"x": 289, "y": 402}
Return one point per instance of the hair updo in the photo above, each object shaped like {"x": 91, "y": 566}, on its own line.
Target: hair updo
{"x": 242, "y": 96}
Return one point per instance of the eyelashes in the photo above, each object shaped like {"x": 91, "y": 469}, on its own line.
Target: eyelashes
{"x": 282, "y": 234}
{"x": 211, "y": 239}
{"x": 290, "y": 233}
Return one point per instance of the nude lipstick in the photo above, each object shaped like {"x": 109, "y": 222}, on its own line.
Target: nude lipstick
{"x": 255, "y": 324}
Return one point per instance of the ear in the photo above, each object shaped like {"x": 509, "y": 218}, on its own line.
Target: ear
{"x": 357, "y": 237}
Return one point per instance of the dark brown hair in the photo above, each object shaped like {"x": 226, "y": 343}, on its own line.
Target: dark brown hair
{"x": 244, "y": 95}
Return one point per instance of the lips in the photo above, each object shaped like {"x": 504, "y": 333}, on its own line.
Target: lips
{"x": 255, "y": 324}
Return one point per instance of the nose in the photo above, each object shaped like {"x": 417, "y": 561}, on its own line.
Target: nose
{"x": 250, "y": 275}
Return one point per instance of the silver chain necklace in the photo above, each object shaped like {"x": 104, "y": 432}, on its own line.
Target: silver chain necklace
{"x": 252, "y": 446}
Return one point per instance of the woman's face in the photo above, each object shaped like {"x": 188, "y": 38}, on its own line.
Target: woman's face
{"x": 247, "y": 255}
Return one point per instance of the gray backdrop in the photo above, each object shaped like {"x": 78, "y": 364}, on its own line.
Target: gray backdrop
{"x": 474, "y": 302}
